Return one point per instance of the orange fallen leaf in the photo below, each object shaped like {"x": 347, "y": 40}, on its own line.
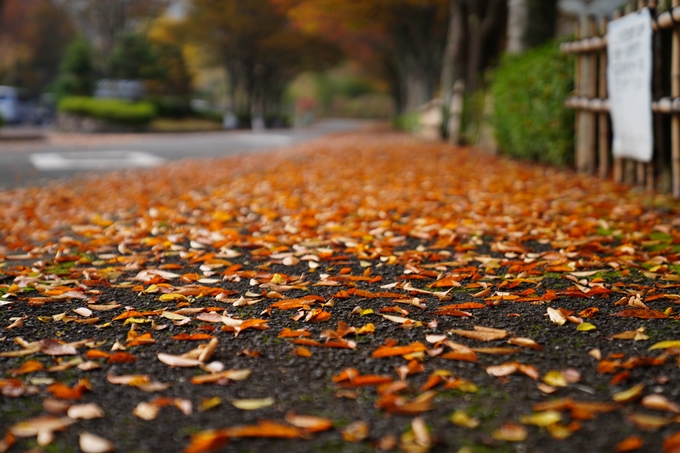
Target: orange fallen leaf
{"x": 288, "y": 333}
{"x": 192, "y": 337}
{"x": 265, "y": 428}
{"x": 630, "y": 443}
{"x": 641, "y": 314}
{"x": 207, "y": 441}
{"x": 30, "y": 366}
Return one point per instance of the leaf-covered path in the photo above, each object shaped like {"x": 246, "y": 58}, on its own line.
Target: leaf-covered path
{"x": 355, "y": 293}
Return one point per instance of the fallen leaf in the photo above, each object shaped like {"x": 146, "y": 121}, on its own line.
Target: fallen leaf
{"x": 85, "y": 411}
{"x": 510, "y": 432}
{"x": 309, "y": 423}
{"x": 252, "y": 404}
{"x": 356, "y": 431}
{"x": 629, "y": 395}
{"x": 91, "y": 443}
{"x": 556, "y": 316}
{"x": 630, "y": 443}
{"x": 482, "y": 333}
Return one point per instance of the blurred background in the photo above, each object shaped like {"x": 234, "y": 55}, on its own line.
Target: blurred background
{"x": 174, "y": 65}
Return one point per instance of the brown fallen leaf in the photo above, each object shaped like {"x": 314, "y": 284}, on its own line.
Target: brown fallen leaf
{"x": 42, "y": 428}
{"x": 660, "y": 403}
{"x": 641, "y": 314}
{"x": 525, "y": 343}
{"x": 310, "y": 423}
{"x": 510, "y": 432}
{"x": 482, "y": 333}
{"x": 56, "y": 348}
{"x": 356, "y": 431}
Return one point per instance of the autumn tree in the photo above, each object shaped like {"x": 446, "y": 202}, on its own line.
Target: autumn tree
{"x": 259, "y": 49}
{"x": 102, "y": 21}
{"x": 33, "y": 35}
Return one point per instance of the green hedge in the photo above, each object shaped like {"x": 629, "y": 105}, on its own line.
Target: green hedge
{"x": 112, "y": 110}
{"x": 530, "y": 119}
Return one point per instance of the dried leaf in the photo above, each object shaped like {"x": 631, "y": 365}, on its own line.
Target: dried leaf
{"x": 91, "y": 443}
{"x": 252, "y": 404}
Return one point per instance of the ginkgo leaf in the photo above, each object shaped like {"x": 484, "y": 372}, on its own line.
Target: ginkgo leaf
{"x": 252, "y": 404}
{"x": 585, "y": 327}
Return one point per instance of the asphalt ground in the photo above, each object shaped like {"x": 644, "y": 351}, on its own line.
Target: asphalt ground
{"x": 411, "y": 244}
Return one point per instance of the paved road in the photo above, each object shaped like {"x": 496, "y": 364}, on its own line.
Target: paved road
{"x": 61, "y": 156}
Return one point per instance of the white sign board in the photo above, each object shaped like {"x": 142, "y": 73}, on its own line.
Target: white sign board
{"x": 629, "y": 81}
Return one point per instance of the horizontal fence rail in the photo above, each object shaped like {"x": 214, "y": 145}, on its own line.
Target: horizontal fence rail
{"x": 590, "y": 100}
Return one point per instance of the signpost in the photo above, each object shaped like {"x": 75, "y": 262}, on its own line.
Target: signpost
{"x": 629, "y": 81}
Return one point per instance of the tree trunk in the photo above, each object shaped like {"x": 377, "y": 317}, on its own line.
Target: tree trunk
{"x": 518, "y": 17}
{"x": 451, "y": 58}
{"x": 480, "y": 25}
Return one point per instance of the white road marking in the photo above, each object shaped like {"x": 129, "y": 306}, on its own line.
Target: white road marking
{"x": 95, "y": 160}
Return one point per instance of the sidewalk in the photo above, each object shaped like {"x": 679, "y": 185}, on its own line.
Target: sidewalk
{"x": 355, "y": 293}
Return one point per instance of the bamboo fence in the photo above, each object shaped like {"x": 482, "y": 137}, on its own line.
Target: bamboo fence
{"x": 593, "y": 129}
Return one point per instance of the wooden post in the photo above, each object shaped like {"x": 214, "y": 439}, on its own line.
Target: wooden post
{"x": 675, "y": 120}
{"x": 618, "y": 162}
{"x": 591, "y": 154}
{"x": 659, "y": 140}
{"x": 586, "y": 137}
{"x": 578, "y": 92}
{"x": 604, "y": 116}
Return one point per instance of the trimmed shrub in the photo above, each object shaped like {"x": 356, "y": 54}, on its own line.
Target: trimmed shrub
{"x": 530, "y": 119}
{"x": 112, "y": 110}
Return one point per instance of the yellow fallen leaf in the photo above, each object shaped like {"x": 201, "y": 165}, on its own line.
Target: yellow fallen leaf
{"x": 665, "y": 345}
{"x": 209, "y": 403}
{"x": 172, "y": 296}
{"x": 585, "y": 327}
{"x": 629, "y": 395}
{"x": 544, "y": 418}
{"x": 555, "y": 379}
{"x": 461, "y": 418}
{"x": 252, "y": 404}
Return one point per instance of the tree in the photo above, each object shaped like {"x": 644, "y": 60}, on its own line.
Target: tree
{"x": 530, "y": 23}
{"x": 77, "y": 70}
{"x": 101, "y": 21}
{"x": 259, "y": 49}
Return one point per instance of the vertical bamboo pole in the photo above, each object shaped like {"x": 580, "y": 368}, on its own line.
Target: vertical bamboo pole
{"x": 603, "y": 127}
{"x": 675, "y": 120}
{"x": 578, "y": 92}
{"x": 654, "y": 169}
{"x": 591, "y": 149}
{"x": 641, "y": 166}
{"x": 618, "y": 162}
{"x": 585, "y": 118}
{"x": 629, "y": 165}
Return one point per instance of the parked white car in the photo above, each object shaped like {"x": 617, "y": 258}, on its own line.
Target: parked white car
{"x": 9, "y": 104}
